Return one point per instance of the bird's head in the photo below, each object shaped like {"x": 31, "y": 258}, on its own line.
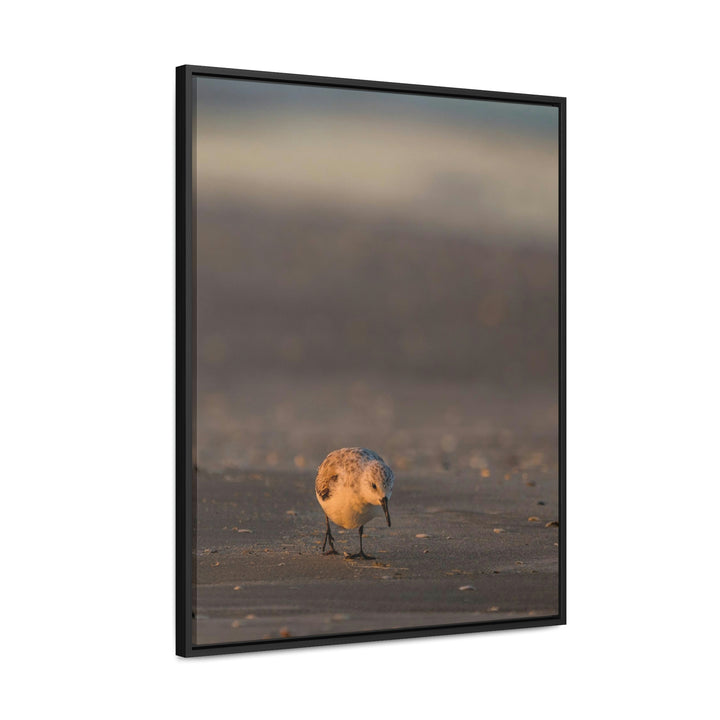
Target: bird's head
{"x": 377, "y": 485}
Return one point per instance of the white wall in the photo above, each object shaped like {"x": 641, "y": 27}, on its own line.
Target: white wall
{"x": 87, "y": 360}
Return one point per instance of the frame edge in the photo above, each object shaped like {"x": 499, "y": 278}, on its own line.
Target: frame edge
{"x": 183, "y": 449}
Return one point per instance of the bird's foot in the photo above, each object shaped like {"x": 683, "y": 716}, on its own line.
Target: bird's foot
{"x": 362, "y": 555}
{"x": 329, "y": 539}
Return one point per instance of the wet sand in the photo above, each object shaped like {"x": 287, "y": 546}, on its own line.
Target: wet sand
{"x": 486, "y": 534}
{"x": 327, "y": 327}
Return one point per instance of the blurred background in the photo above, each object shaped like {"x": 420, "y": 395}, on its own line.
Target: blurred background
{"x": 375, "y": 269}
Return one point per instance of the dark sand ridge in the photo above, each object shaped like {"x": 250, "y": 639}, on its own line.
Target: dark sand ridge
{"x": 273, "y": 581}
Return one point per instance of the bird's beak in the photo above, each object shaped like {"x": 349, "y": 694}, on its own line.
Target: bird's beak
{"x": 384, "y": 503}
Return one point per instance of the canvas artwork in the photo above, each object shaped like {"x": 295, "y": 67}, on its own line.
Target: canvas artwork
{"x": 370, "y": 360}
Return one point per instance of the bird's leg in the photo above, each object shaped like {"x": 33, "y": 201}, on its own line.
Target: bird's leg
{"x": 328, "y": 538}
{"x": 361, "y": 554}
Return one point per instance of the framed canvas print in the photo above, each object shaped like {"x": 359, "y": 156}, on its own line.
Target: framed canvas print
{"x": 370, "y": 360}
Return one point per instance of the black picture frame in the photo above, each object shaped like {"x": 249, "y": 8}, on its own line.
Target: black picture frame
{"x": 186, "y": 355}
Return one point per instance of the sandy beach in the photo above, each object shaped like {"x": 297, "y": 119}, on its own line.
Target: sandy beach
{"x": 261, "y": 574}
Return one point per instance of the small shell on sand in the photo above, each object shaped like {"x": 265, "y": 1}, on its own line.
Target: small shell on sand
{"x": 498, "y": 530}
{"x": 422, "y": 535}
{"x": 552, "y": 523}
{"x": 533, "y": 518}
{"x": 466, "y": 587}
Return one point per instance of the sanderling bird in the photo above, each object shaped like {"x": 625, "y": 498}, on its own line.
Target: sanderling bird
{"x": 352, "y": 485}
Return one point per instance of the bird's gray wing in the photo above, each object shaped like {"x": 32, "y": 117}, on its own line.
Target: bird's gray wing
{"x": 325, "y": 484}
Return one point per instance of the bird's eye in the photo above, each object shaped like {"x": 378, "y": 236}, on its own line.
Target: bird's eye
{"x": 374, "y": 486}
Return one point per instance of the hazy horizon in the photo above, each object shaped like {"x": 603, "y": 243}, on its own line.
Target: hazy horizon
{"x": 368, "y": 265}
